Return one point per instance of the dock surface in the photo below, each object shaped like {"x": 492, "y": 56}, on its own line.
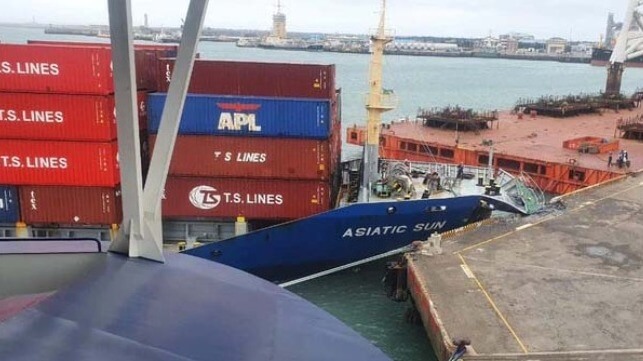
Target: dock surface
{"x": 566, "y": 285}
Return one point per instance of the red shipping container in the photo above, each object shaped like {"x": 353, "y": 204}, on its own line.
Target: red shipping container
{"x": 188, "y": 197}
{"x": 252, "y": 157}
{"x": 170, "y": 48}
{"x": 24, "y": 162}
{"x": 72, "y": 206}
{"x": 255, "y": 79}
{"x": 146, "y": 58}
{"x": 45, "y": 68}
{"x": 62, "y": 116}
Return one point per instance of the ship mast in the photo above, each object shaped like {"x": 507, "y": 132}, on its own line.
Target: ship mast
{"x": 378, "y": 103}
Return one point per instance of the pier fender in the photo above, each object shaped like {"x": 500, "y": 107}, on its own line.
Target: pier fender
{"x": 394, "y": 281}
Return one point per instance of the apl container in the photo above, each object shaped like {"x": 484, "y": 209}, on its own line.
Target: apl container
{"x": 24, "y": 162}
{"x": 62, "y": 116}
{"x": 72, "y": 206}
{"x": 204, "y": 198}
{"x": 267, "y": 117}
{"x": 57, "y": 69}
{"x": 251, "y": 157}
{"x": 9, "y": 206}
{"x": 255, "y": 79}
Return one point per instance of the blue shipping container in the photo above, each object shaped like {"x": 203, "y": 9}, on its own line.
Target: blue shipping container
{"x": 266, "y": 117}
{"x": 9, "y": 206}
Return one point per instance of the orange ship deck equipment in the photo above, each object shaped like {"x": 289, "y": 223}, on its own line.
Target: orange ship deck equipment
{"x": 561, "y": 154}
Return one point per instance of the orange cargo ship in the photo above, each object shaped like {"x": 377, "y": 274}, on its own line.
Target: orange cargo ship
{"x": 561, "y": 154}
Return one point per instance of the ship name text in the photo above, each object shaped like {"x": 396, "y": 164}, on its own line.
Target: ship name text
{"x": 392, "y": 230}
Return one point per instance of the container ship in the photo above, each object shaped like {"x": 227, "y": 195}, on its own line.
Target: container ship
{"x": 258, "y": 149}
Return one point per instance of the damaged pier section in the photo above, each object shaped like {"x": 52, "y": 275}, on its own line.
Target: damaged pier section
{"x": 567, "y": 285}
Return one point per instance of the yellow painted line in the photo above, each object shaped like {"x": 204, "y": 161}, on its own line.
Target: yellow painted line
{"x": 495, "y": 308}
{"x": 484, "y": 242}
{"x": 524, "y": 226}
{"x": 467, "y": 271}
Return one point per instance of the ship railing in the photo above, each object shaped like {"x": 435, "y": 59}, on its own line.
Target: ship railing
{"x": 386, "y": 33}
{"x": 447, "y": 169}
{"x": 521, "y": 191}
{"x": 387, "y": 100}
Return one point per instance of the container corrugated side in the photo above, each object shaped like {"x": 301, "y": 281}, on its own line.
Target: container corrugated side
{"x": 9, "y": 205}
{"x": 146, "y": 58}
{"x": 237, "y": 78}
{"x": 24, "y": 162}
{"x": 251, "y": 157}
{"x": 55, "y": 69}
{"x": 267, "y": 117}
{"x": 206, "y": 198}
{"x": 57, "y": 117}
{"x": 73, "y": 206}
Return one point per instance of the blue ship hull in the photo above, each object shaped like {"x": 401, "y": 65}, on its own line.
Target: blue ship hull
{"x": 340, "y": 236}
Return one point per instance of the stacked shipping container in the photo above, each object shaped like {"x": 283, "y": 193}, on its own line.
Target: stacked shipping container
{"x": 58, "y": 130}
{"x": 256, "y": 140}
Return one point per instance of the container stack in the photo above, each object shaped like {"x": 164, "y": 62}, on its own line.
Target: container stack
{"x": 58, "y": 149}
{"x": 257, "y": 140}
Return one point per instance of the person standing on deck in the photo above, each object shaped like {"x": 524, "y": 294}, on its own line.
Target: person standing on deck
{"x": 609, "y": 160}
{"x": 460, "y": 174}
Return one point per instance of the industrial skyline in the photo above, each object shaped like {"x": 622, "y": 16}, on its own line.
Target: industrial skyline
{"x": 574, "y": 19}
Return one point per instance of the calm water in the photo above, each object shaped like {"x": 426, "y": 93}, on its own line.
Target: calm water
{"x": 356, "y": 297}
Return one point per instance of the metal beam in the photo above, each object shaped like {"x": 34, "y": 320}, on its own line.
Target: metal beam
{"x": 619, "y": 55}
{"x": 627, "y": 44}
{"x": 168, "y": 129}
{"x": 129, "y": 236}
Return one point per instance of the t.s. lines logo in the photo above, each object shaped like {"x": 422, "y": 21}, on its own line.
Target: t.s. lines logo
{"x": 204, "y": 197}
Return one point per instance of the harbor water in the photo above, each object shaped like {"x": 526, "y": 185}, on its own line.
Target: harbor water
{"x": 357, "y": 296}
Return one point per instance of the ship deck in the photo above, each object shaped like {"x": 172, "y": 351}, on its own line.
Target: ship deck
{"x": 539, "y": 138}
{"x": 560, "y": 286}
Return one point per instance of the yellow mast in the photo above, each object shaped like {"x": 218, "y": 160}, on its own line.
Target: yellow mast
{"x": 377, "y": 104}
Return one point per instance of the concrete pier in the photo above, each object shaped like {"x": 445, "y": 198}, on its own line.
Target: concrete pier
{"x": 567, "y": 285}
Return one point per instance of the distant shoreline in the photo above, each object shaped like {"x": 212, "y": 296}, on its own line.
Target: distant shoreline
{"x": 81, "y": 30}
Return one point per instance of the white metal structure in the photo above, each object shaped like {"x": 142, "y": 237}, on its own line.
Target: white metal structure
{"x": 141, "y": 234}
{"x": 629, "y": 45}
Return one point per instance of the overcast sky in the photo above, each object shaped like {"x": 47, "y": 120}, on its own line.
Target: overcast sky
{"x": 580, "y": 19}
